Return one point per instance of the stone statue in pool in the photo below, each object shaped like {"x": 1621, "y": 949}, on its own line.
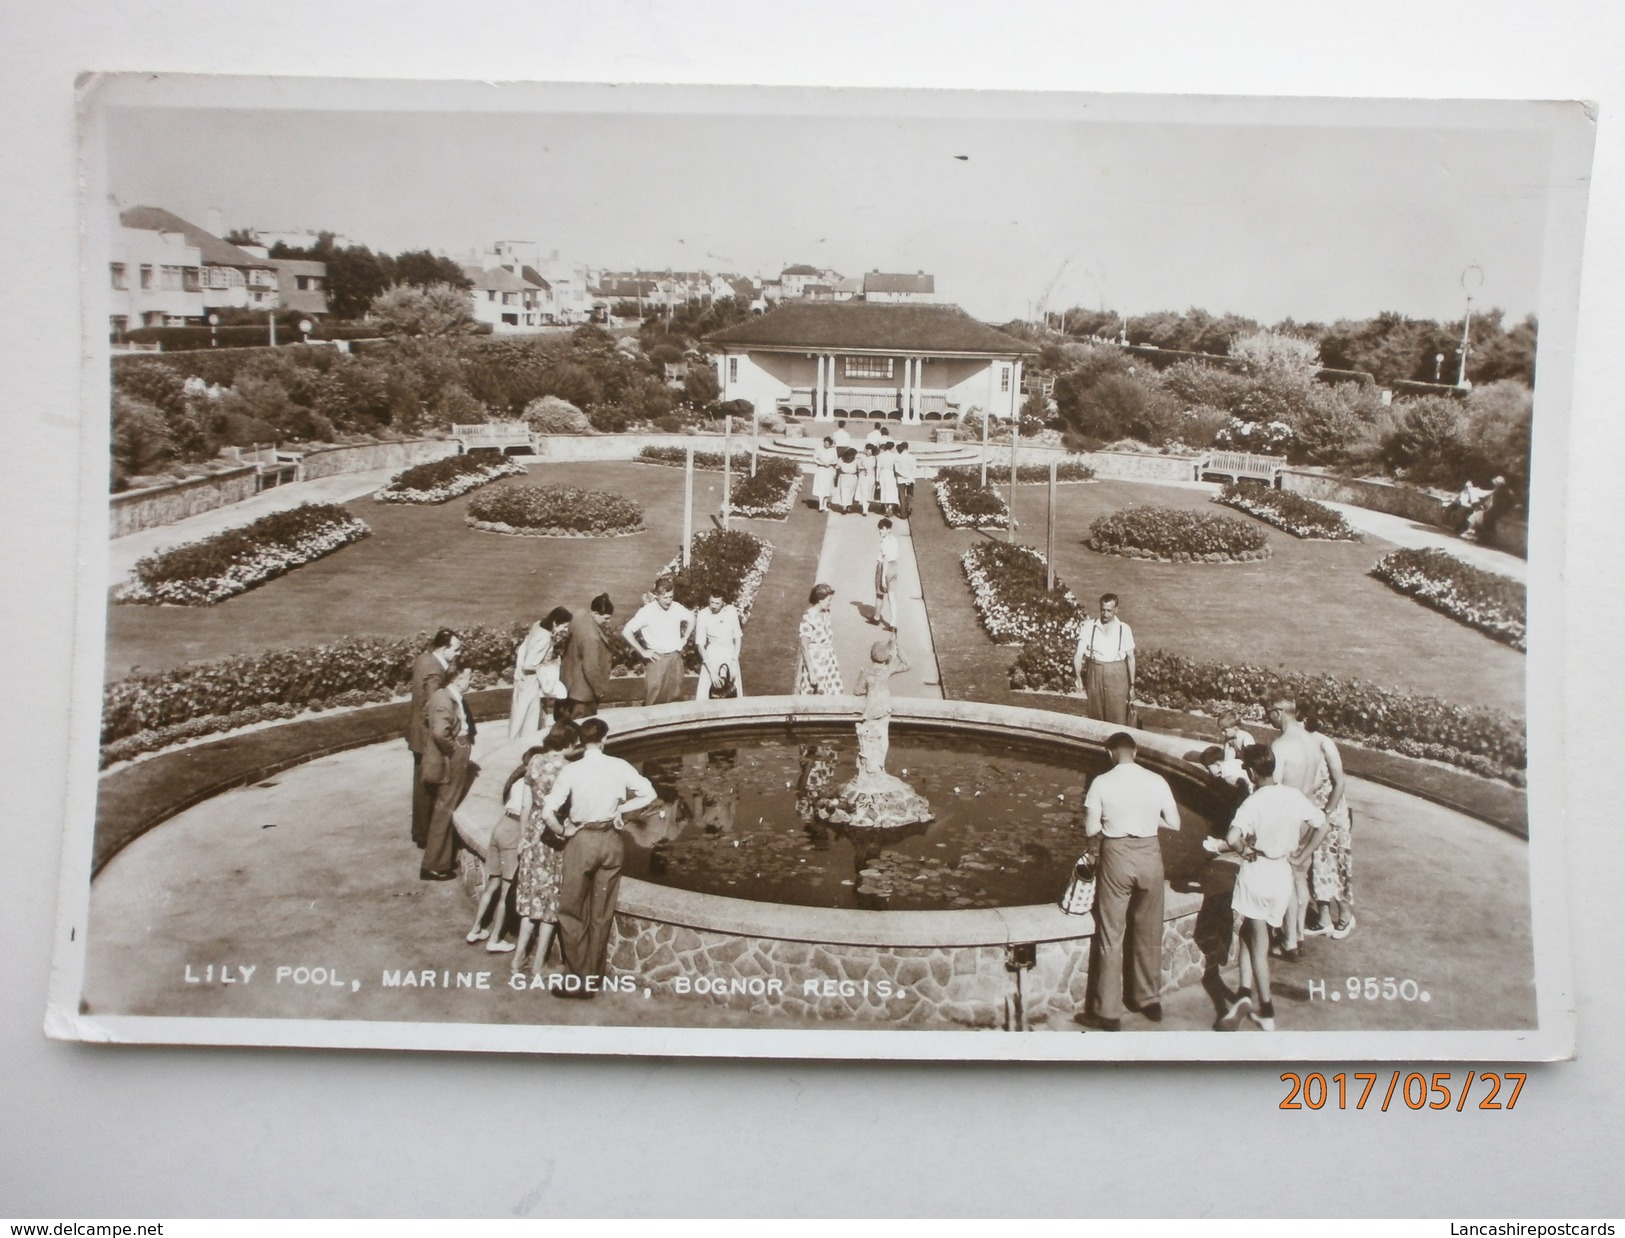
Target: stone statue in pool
{"x": 874, "y": 799}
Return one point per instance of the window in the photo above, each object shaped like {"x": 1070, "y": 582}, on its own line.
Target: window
{"x": 511, "y": 320}
{"x": 733, "y": 369}
{"x": 117, "y": 269}
{"x": 146, "y": 275}
{"x": 190, "y": 279}
{"x": 119, "y": 323}
{"x": 867, "y": 367}
{"x": 169, "y": 278}
{"x": 1004, "y": 378}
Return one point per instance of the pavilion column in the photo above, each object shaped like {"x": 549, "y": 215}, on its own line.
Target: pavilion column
{"x": 916, "y": 367}
{"x": 818, "y": 387}
{"x": 829, "y": 384}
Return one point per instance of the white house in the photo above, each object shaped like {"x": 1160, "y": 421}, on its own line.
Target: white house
{"x": 854, "y": 359}
{"x": 156, "y": 279}
{"x": 230, "y": 277}
{"x": 506, "y": 300}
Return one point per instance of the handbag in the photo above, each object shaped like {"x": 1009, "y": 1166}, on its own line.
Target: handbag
{"x": 1079, "y": 896}
{"x": 723, "y": 685}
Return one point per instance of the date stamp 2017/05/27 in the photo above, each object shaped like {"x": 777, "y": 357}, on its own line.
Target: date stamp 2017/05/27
{"x": 1414, "y": 1090}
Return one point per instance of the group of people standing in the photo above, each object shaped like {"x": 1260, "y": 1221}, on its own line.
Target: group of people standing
{"x": 557, "y": 847}
{"x": 1292, "y": 830}
{"x": 881, "y": 473}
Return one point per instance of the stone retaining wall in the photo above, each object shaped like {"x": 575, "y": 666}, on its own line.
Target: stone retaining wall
{"x": 1108, "y": 465}
{"x": 565, "y": 448}
{"x": 364, "y": 457}
{"x": 134, "y": 510}
{"x": 1378, "y": 496}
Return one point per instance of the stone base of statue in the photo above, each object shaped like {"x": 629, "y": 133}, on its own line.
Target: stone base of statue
{"x": 875, "y": 800}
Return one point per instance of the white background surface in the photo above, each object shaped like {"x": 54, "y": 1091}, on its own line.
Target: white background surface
{"x": 90, "y": 1131}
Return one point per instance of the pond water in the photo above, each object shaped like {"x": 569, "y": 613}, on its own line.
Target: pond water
{"x": 1007, "y": 829}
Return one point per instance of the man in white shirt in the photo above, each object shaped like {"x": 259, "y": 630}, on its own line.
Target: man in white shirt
{"x": 841, "y": 438}
{"x": 1236, "y": 740}
{"x": 601, "y": 790}
{"x": 886, "y": 578}
{"x": 1126, "y": 807}
{"x": 1103, "y": 666}
{"x": 658, "y": 633}
{"x": 907, "y": 470}
{"x": 874, "y": 438}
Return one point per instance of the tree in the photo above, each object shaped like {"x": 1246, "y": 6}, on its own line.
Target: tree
{"x": 700, "y": 386}
{"x": 421, "y": 269}
{"x": 1270, "y": 354}
{"x": 439, "y": 309}
{"x": 141, "y": 439}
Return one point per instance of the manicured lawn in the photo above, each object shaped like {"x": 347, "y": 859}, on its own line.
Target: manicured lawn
{"x": 1310, "y": 607}
{"x": 423, "y": 567}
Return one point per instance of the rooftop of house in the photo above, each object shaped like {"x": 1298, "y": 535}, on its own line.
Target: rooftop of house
{"x": 880, "y": 281}
{"x": 497, "y": 279}
{"x": 214, "y": 251}
{"x": 858, "y": 324}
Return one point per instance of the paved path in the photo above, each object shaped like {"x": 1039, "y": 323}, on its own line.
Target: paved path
{"x": 847, "y": 563}
{"x": 1408, "y": 533}
{"x": 123, "y": 552}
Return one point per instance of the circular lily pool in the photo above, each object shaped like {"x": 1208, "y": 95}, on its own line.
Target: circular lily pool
{"x": 741, "y": 820}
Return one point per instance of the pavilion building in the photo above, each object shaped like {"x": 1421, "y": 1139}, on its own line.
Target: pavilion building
{"x": 911, "y": 363}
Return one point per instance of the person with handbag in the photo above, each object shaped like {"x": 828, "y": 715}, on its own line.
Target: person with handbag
{"x": 1127, "y": 807}
{"x": 540, "y": 872}
{"x": 1103, "y": 666}
{"x": 718, "y": 636}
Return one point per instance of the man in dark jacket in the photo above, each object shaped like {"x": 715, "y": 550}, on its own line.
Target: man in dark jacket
{"x": 584, "y": 667}
{"x": 429, "y": 674}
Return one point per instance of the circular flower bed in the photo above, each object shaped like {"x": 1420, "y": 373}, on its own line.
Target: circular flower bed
{"x": 1299, "y": 516}
{"x": 440, "y": 481}
{"x": 555, "y": 511}
{"x": 1173, "y": 535}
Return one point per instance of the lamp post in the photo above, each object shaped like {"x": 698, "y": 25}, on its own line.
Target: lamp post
{"x": 214, "y": 330}
{"x": 1472, "y": 279}
{"x": 305, "y": 328}
{"x": 1438, "y": 365}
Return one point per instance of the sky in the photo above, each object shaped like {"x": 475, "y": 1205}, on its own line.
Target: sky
{"x": 1314, "y": 222}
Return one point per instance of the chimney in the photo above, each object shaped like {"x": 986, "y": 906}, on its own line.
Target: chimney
{"x": 217, "y": 225}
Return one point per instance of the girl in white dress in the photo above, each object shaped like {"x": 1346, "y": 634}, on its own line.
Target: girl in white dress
{"x": 823, "y": 486}
{"x": 1274, "y": 827}
{"x": 718, "y": 635}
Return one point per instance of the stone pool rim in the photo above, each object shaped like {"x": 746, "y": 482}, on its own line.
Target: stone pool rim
{"x": 720, "y": 913}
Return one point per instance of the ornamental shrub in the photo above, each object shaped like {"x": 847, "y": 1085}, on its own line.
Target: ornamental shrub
{"x": 1299, "y": 516}
{"x": 556, "y": 511}
{"x": 551, "y": 415}
{"x": 1175, "y": 535}
{"x": 1492, "y": 603}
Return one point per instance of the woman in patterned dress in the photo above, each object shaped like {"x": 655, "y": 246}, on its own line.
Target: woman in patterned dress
{"x": 1331, "y": 868}
{"x": 541, "y": 867}
{"x": 819, "y": 674}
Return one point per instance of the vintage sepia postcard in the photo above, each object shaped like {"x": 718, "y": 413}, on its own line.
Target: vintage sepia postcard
{"x": 821, "y": 573}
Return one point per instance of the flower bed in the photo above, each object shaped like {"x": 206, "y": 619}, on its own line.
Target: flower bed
{"x": 1008, "y": 587}
{"x": 555, "y": 511}
{"x": 440, "y": 481}
{"x": 1493, "y": 604}
{"x": 770, "y": 495}
{"x": 1173, "y": 535}
{"x": 967, "y": 504}
{"x": 203, "y": 573}
{"x": 1299, "y": 516}
{"x": 1484, "y": 741}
